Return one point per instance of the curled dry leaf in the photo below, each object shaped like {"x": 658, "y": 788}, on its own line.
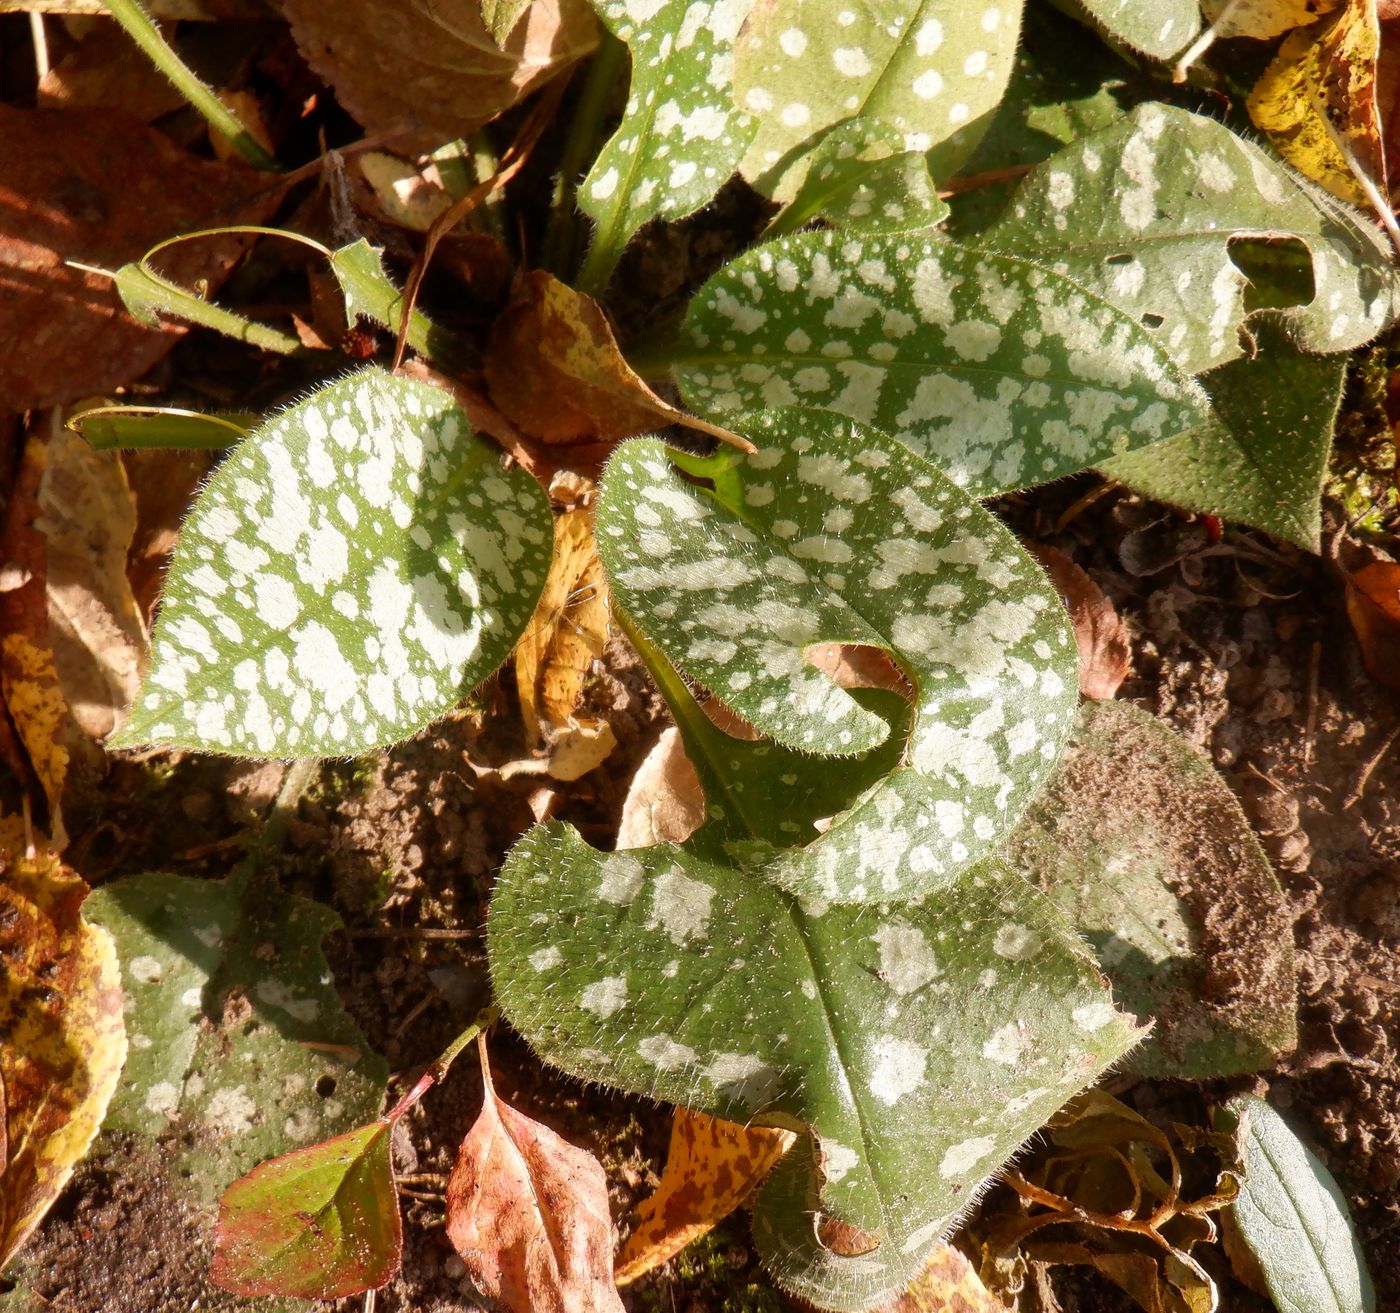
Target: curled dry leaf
{"x": 99, "y": 186}
{"x": 528, "y": 1213}
{"x": 712, "y": 1166}
{"x": 1317, "y": 101}
{"x": 1105, "y": 654}
{"x": 569, "y": 629}
{"x": 664, "y": 802}
{"x": 73, "y": 640}
{"x": 1373, "y": 605}
{"x": 432, "y": 72}
{"x": 554, "y": 369}
{"x": 1262, "y": 19}
{"x": 61, "y": 1018}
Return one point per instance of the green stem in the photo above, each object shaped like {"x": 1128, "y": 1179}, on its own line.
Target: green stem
{"x": 485, "y": 1019}
{"x": 139, "y": 27}
{"x": 561, "y": 240}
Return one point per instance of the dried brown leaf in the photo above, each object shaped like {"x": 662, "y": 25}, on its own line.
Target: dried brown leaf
{"x": 664, "y": 802}
{"x": 1263, "y": 19}
{"x": 430, "y": 73}
{"x": 100, "y": 187}
{"x": 568, "y": 631}
{"x": 61, "y": 1018}
{"x": 712, "y": 1166}
{"x": 101, "y": 72}
{"x": 1373, "y": 605}
{"x": 528, "y": 1213}
{"x": 1105, "y": 655}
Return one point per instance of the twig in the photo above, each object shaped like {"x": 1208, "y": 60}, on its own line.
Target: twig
{"x": 1368, "y": 769}
{"x": 138, "y": 26}
{"x": 40, "y": 40}
{"x": 1310, "y": 725}
{"x": 412, "y": 932}
{"x": 511, "y": 164}
{"x": 1202, "y": 43}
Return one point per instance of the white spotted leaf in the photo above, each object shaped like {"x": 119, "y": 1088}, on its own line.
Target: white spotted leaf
{"x": 1159, "y": 28}
{"x": 681, "y": 137}
{"x": 355, "y": 566}
{"x": 934, "y": 70}
{"x": 238, "y": 1037}
{"x": 861, "y": 176}
{"x": 1145, "y": 214}
{"x": 921, "y": 1045}
{"x": 1002, "y": 373}
{"x": 834, "y": 533}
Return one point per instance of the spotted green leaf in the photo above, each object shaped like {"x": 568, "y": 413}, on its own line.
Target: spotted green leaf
{"x": 834, "y": 533}
{"x": 353, "y": 568}
{"x": 1145, "y": 214}
{"x": 1146, "y": 851}
{"x": 860, "y": 176}
{"x": 1261, "y": 462}
{"x": 921, "y": 1045}
{"x": 1001, "y": 373}
{"x": 1294, "y": 1218}
{"x": 681, "y": 137}
{"x": 238, "y": 1039}
{"x": 933, "y": 70}
{"x": 1159, "y": 28}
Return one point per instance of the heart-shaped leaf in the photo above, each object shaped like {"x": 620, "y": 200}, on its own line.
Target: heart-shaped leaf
{"x": 1145, "y": 214}
{"x": 861, "y": 176}
{"x": 319, "y": 1223}
{"x": 933, "y": 70}
{"x": 1002, "y": 373}
{"x": 834, "y": 533}
{"x": 1292, "y": 1215}
{"x": 920, "y": 1044}
{"x": 681, "y": 137}
{"x": 352, "y": 569}
{"x": 1262, "y": 460}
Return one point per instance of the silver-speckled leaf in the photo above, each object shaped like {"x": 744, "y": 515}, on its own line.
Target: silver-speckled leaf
{"x": 861, "y": 176}
{"x": 934, "y": 70}
{"x": 834, "y": 533}
{"x": 1144, "y": 214}
{"x": 921, "y": 1044}
{"x": 1002, "y": 373}
{"x": 354, "y": 567}
{"x": 1159, "y": 28}
{"x": 681, "y": 137}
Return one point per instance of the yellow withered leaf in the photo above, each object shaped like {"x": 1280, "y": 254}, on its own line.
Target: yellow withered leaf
{"x": 61, "y": 1018}
{"x": 711, "y": 1168}
{"x": 948, "y": 1283}
{"x": 1317, "y": 101}
{"x": 1262, "y": 19}
{"x": 568, "y": 631}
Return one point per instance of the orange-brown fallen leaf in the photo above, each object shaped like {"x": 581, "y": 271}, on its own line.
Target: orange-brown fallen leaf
{"x": 569, "y": 629}
{"x": 430, "y": 72}
{"x": 664, "y": 802}
{"x": 101, "y": 187}
{"x": 528, "y": 1213}
{"x": 1262, "y": 19}
{"x": 61, "y": 1018}
{"x": 1317, "y": 101}
{"x": 1373, "y": 605}
{"x": 1105, "y": 655}
{"x": 73, "y": 640}
{"x": 555, "y": 371}
{"x": 711, "y": 1168}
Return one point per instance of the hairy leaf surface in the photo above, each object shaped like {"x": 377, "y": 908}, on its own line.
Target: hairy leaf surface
{"x": 833, "y": 533}
{"x": 1145, "y": 213}
{"x": 933, "y": 70}
{"x": 352, "y": 569}
{"x": 1002, "y": 373}
{"x": 1159, "y": 28}
{"x": 681, "y": 137}
{"x": 921, "y": 1044}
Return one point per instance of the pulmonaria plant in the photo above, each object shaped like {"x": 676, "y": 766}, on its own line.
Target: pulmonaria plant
{"x": 858, "y": 944}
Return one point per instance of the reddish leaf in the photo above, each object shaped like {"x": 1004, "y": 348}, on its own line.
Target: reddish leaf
{"x": 1373, "y": 603}
{"x": 528, "y": 1213}
{"x": 431, "y": 72}
{"x": 318, "y": 1223}
{"x": 1105, "y": 655}
{"x": 100, "y": 187}
{"x": 102, "y": 72}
